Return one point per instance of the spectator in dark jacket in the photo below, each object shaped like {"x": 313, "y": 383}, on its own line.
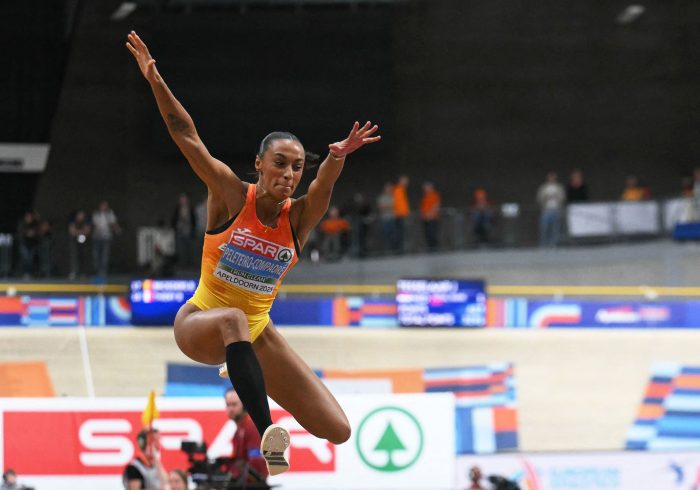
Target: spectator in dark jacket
{"x": 576, "y": 189}
{"x": 185, "y": 224}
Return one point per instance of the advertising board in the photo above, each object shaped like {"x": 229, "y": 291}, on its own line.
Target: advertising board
{"x": 441, "y": 303}
{"x": 398, "y": 441}
{"x": 588, "y": 471}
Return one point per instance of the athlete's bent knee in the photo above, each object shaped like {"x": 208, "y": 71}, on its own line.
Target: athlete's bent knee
{"x": 234, "y": 326}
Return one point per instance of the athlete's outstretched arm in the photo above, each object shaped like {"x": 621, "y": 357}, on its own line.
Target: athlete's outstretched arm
{"x": 316, "y": 201}
{"x": 213, "y": 172}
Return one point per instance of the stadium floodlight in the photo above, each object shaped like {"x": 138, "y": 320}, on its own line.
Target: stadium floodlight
{"x": 123, "y": 11}
{"x": 630, "y": 14}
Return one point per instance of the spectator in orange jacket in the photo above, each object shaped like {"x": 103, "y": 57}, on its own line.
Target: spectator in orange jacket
{"x": 430, "y": 215}
{"x": 402, "y": 208}
{"x": 634, "y": 191}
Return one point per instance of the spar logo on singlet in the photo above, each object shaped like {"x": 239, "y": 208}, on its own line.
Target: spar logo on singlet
{"x": 251, "y": 263}
{"x": 241, "y": 238}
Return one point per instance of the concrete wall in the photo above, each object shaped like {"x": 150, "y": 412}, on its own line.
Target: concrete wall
{"x": 490, "y": 92}
{"x": 240, "y": 77}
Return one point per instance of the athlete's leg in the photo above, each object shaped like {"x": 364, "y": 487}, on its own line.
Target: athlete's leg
{"x": 292, "y": 384}
{"x": 202, "y": 335}
{"x": 211, "y": 336}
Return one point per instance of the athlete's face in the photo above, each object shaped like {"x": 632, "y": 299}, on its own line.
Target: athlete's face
{"x": 280, "y": 168}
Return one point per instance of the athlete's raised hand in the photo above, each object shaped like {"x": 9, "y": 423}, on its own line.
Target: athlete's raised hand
{"x": 358, "y": 137}
{"x": 140, "y": 51}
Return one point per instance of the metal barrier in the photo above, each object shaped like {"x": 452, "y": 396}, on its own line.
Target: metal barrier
{"x": 516, "y": 225}
{"x": 154, "y": 243}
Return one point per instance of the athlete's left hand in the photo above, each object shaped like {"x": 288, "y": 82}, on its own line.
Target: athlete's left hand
{"x": 358, "y": 137}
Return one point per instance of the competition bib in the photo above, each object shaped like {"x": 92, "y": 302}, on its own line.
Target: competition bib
{"x": 251, "y": 263}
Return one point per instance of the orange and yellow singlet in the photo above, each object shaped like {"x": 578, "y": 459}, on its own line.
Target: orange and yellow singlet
{"x": 243, "y": 265}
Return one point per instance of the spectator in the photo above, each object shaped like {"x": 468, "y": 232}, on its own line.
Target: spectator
{"x": 688, "y": 211}
{"x": 334, "y": 229}
{"x": 360, "y": 218}
{"x": 200, "y": 217}
{"x": 184, "y": 224}
{"x": 178, "y": 480}
{"x": 104, "y": 223}
{"x": 475, "y": 477}
{"x": 6, "y": 243}
{"x": 402, "y": 209}
{"x": 696, "y": 189}
{"x": 45, "y": 247}
{"x": 78, "y": 236}
{"x": 687, "y": 185}
{"x": 146, "y": 471}
{"x": 28, "y": 239}
{"x": 247, "y": 465}
{"x": 385, "y": 207}
{"x": 9, "y": 480}
{"x": 550, "y": 197}
{"x": 633, "y": 191}
{"x": 164, "y": 251}
{"x": 576, "y": 189}
{"x": 430, "y": 215}
{"x": 482, "y": 216}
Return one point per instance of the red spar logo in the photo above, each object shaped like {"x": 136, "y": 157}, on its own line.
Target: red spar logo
{"x": 255, "y": 245}
{"x": 102, "y": 443}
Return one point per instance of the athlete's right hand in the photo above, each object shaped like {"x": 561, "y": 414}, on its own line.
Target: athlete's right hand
{"x": 140, "y": 51}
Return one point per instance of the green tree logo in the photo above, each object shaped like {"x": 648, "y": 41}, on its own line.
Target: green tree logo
{"x": 390, "y": 442}
{"x": 284, "y": 255}
{"x": 398, "y": 447}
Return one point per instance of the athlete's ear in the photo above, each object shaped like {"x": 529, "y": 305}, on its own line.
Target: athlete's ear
{"x": 258, "y": 163}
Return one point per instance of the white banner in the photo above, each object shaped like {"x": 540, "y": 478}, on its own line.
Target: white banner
{"x": 585, "y": 220}
{"x": 633, "y": 218}
{"x": 588, "y": 471}
{"x": 606, "y": 219}
{"x": 398, "y": 441}
{"x": 23, "y": 157}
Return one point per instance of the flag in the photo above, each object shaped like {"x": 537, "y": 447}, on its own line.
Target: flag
{"x": 151, "y": 412}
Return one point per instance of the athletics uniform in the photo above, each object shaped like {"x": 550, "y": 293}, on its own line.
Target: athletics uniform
{"x": 244, "y": 262}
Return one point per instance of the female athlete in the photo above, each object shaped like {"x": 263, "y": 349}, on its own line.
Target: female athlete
{"x": 256, "y": 233}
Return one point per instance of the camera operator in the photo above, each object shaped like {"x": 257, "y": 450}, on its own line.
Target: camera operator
{"x": 247, "y": 465}
{"x": 178, "y": 480}
{"x": 9, "y": 481}
{"x": 146, "y": 471}
{"x": 475, "y": 477}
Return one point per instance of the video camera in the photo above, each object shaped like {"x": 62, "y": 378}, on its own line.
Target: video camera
{"x": 215, "y": 474}
{"x": 501, "y": 483}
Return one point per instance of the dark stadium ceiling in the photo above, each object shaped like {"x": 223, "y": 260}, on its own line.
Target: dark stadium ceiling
{"x": 238, "y": 3}
{"x": 125, "y": 8}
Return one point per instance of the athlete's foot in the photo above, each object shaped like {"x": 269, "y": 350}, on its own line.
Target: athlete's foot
{"x": 223, "y": 371}
{"x": 274, "y": 442}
